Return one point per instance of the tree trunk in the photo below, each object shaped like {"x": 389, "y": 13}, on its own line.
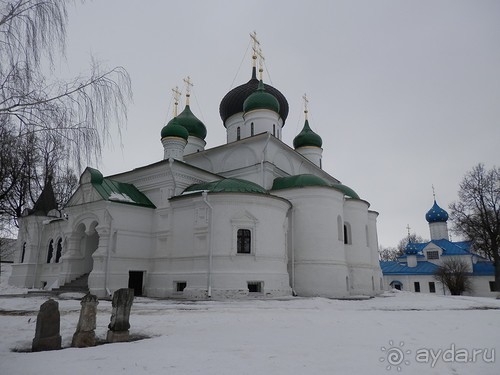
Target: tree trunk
{"x": 496, "y": 263}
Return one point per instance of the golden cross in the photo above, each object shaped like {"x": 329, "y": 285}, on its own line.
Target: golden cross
{"x": 261, "y": 62}
{"x": 255, "y": 47}
{"x": 433, "y": 192}
{"x": 306, "y": 102}
{"x": 189, "y": 84}
{"x": 177, "y": 96}
{"x": 408, "y": 227}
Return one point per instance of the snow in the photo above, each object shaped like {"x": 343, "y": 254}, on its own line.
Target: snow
{"x": 285, "y": 336}
{"x": 121, "y": 197}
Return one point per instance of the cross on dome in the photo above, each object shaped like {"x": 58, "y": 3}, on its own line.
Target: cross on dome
{"x": 189, "y": 84}
{"x": 306, "y": 102}
{"x": 177, "y": 96}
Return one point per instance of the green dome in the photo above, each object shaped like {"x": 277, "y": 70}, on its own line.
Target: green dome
{"x": 261, "y": 99}
{"x": 193, "y": 125}
{"x": 174, "y": 129}
{"x": 231, "y": 185}
{"x": 300, "y": 180}
{"x": 307, "y": 138}
{"x": 346, "y": 190}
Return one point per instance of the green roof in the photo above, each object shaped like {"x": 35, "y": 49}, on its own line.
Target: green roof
{"x": 233, "y": 185}
{"x": 174, "y": 129}
{"x": 303, "y": 180}
{"x": 193, "y": 125}
{"x": 261, "y": 99}
{"x": 346, "y": 190}
{"x": 300, "y": 180}
{"x": 119, "y": 192}
{"x": 307, "y": 138}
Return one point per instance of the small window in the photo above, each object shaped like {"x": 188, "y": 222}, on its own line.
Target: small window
{"x": 180, "y": 286}
{"x": 373, "y": 283}
{"x": 244, "y": 241}
{"x": 23, "y": 252}
{"x": 347, "y": 234}
{"x": 254, "y": 287}
{"x": 347, "y": 283}
{"x": 493, "y": 287}
{"x": 50, "y": 253}
{"x": 251, "y": 129}
{"x": 59, "y": 250}
{"x": 417, "y": 286}
{"x": 433, "y": 254}
{"x": 432, "y": 287}
{"x": 238, "y": 133}
{"x": 274, "y": 130}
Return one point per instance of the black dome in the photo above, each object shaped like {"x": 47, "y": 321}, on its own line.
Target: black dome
{"x": 233, "y": 101}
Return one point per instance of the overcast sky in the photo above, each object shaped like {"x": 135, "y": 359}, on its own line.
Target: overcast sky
{"x": 405, "y": 94}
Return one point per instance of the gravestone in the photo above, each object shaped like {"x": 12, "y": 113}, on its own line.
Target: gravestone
{"x": 48, "y": 324}
{"x": 85, "y": 330}
{"x": 119, "y": 325}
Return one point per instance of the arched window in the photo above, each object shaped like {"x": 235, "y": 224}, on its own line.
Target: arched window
{"x": 238, "y": 133}
{"x": 347, "y": 283}
{"x": 244, "y": 241}
{"x": 339, "y": 228}
{"x": 347, "y": 234}
{"x": 50, "y": 253}
{"x": 23, "y": 252}
{"x": 373, "y": 283}
{"x": 59, "y": 250}
{"x": 251, "y": 129}
{"x": 274, "y": 130}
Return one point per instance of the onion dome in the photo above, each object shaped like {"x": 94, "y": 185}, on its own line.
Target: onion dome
{"x": 260, "y": 99}
{"x": 193, "y": 125}
{"x": 227, "y": 185}
{"x": 436, "y": 214}
{"x": 232, "y": 102}
{"x": 346, "y": 190}
{"x": 307, "y": 138}
{"x": 174, "y": 129}
{"x": 412, "y": 248}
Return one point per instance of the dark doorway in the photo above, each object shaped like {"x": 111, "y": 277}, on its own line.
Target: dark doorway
{"x": 135, "y": 279}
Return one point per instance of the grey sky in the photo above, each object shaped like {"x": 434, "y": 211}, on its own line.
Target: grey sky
{"x": 405, "y": 94}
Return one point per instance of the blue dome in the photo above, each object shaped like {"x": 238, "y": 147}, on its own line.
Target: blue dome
{"x": 436, "y": 214}
{"x": 412, "y": 248}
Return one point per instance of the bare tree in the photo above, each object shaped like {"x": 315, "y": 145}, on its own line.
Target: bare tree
{"x": 388, "y": 253}
{"x": 47, "y": 126}
{"x": 454, "y": 274}
{"x": 476, "y": 215}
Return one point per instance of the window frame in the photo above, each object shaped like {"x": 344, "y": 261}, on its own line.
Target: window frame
{"x": 246, "y": 234}
{"x": 416, "y": 286}
{"x": 435, "y": 255}
{"x": 432, "y": 287}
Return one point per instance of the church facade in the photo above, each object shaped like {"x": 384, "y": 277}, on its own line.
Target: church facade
{"x": 252, "y": 217}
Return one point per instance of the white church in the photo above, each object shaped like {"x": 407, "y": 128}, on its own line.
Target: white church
{"x": 253, "y": 217}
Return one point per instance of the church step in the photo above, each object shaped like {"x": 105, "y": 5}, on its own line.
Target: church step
{"x": 80, "y": 284}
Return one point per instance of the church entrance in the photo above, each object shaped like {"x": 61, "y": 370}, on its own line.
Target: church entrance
{"x": 396, "y": 284}
{"x": 88, "y": 243}
{"x": 135, "y": 280}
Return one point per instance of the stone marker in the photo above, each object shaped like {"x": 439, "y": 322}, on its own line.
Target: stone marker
{"x": 119, "y": 325}
{"x": 48, "y": 324}
{"x": 85, "y": 330}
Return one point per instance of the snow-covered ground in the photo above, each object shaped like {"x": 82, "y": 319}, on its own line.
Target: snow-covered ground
{"x": 419, "y": 333}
